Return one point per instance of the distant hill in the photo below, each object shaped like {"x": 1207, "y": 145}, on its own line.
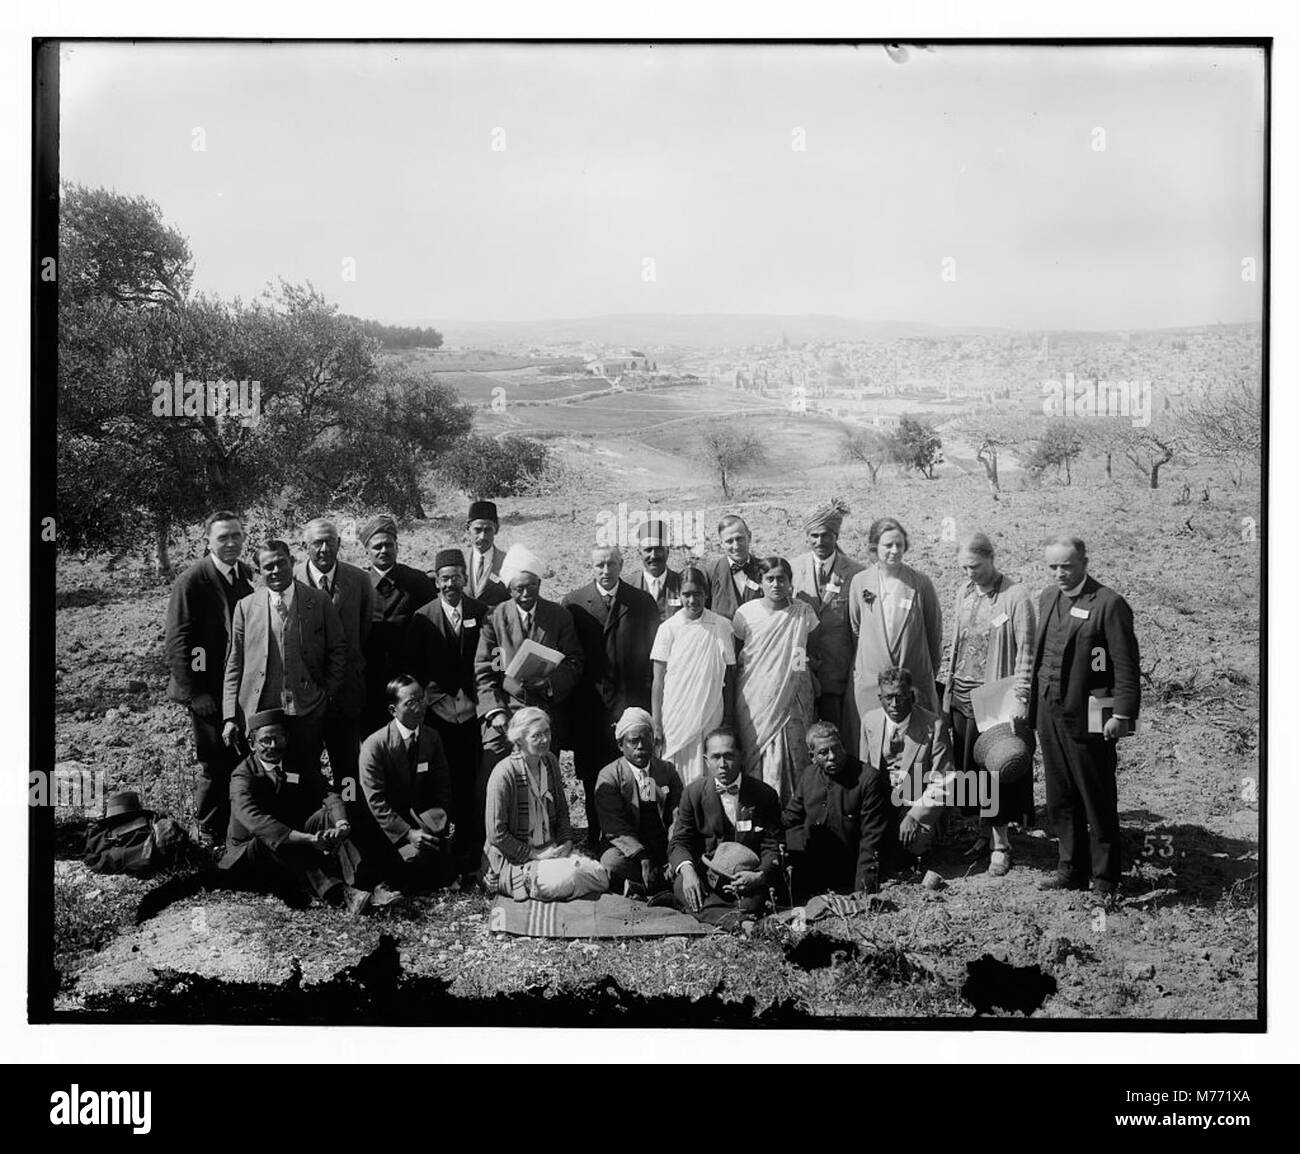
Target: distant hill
{"x": 688, "y": 331}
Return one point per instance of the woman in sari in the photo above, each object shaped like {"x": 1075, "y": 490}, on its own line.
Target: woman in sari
{"x": 895, "y": 621}
{"x": 775, "y": 689}
{"x": 993, "y": 640}
{"x": 693, "y": 661}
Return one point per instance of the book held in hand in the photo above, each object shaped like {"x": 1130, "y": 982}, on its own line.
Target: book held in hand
{"x": 532, "y": 660}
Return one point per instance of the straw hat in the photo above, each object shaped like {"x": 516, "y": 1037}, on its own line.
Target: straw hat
{"x": 1005, "y": 751}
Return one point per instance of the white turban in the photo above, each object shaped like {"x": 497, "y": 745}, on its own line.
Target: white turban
{"x": 521, "y": 559}
{"x": 632, "y": 719}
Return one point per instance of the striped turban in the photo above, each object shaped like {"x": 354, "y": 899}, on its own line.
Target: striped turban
{"x": 828, "y": 516}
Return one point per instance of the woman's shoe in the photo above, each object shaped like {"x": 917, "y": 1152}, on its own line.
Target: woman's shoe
{"x": 1000, "y": 862}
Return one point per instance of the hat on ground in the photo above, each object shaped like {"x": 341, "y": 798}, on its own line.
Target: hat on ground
{"x": 1004, "y": 751}
{"x": 380, "y": 524}
{"x": 729, "y": 858}
{"x": 828, "y": 516}
{"x": 483, "y": 511}
{"x": 633, "y": 718}
{"x": 652, "y": 533}
{"x": 448, "y": 558}
{"x": 263, "y": 719}
{"x": 521, "y": 559}
{"x": 124, "y": 804}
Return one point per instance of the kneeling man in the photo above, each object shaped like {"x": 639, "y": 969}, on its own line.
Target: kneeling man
{"x": 722, "y": 807}
{"x": 637, "y": 797}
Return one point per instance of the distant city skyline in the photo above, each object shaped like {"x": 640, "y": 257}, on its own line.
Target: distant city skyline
{"x": 1018, "y": 188}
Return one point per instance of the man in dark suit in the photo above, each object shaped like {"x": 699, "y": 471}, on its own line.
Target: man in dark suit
{"x": 483, "y": 559}
{"x": 287, "y": 652}
{"x": 654, "y": 577}
{"x": 821, "y": 578}
{"x": 526, "y": 616}
{"x": 407, "y": 783}
{"x": 288, "y": 833}
{"x": 836, "y": 821}
{"x": 725, "y": 806}
{"x": 443, "y": 641}
{"x": 735, "y": 577}
{"x": 399, "y": 591}
{"x": 199, "y": 614}
{"x": 1085, "y": 649}
{"x": 616, "y": 626}
{"x": 354, "y": 598}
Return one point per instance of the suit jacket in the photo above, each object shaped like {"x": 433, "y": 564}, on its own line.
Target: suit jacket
{"x": 394, "y": 787}
{"x": 260, "y": 812}
{"x": 618, "y": 806}
{"x": 199, "y": 615}
{"x": 834, "y": 645}
{"x": 722, "y": 597}
{"x": 491, "y": 591}
{"x": 440, "y": 658}
{"x": 499, "y": 641}
{"x": 840, "y": 821}
{"x": 615, "y": 648}
{"x": 926, "y": 761}
{"x": 1100, "y": 658}
{"x": 323, "y": 645}
{"x": 354, "y": 598}
{"x": 670, "y": 591}
{"x": 702, "y": 823}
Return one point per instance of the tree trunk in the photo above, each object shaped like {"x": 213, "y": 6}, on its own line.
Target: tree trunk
{"x": 1067, "y": 470}
{"x": 162, "y": 561}
{"x": 1108, "y": 477}
{"x": 1155, "y": 474}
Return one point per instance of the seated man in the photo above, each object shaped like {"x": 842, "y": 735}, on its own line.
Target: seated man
{"x": 636, "y": 800}
{"x": 908, "y": 747}
{"x": 724, "y": 806}
{"x": 836, "y": 821}
{"x": 407, "y": 785}
{"x": 288, "y": 832}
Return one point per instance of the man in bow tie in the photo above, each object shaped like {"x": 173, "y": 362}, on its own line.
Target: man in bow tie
{"x": 735, "y": 577}
{"x": 399, "y": 591}
{"x": 199, "y": 617}
{"x": 637, "y": 796}
{"x": 725, "y": 806}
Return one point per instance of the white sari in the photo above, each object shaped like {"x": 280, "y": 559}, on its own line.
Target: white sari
{"x": 696, "y": 654}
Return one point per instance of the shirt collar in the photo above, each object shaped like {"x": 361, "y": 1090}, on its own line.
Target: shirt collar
{"x": 317, "y": 576}
{"x": 286, "y": 594}
{"x": 453, "y": 613}
{"x": 270, "y": 770}
{"x": 377, "y": 575}
{"x": 407, "y": 734}
{"x": 897, "y": 726}
{"x": 222, "y": 568}
{"x": 733, "y": 788}
{"x": 1072, "y": 593}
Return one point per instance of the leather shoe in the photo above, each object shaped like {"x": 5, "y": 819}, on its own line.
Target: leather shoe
{"x": 355, "y": 901}
{"x": 383, "y": 895}
{"x": 1060, "y": 881}
{"x": 1000, "y": 863}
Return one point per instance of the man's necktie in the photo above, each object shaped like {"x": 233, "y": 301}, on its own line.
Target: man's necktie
{"x": 385, "y": 586}
{"x": 281, "y": 608}
{"x": 737, "y": 567}
{"x": 455, "y": 620}
{"x": 896, "y": 741}
{"x": 478, "y": 571}
{"x": 410, "y": 749}
{"x": 528, "y": 623}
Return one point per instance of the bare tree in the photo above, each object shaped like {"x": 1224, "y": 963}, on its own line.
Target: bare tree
{"x": 728, "y": 450}
{"x": 1227, "y": 425}
{"x": 867, "y": 447}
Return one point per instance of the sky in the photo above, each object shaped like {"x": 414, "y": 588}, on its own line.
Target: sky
{"x": 1019, "y": 187}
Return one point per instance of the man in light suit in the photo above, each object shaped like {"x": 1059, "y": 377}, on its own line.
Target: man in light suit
{"x": 654, "y": 576}
{"x": 1086, "y": 648}
{"x": 407, "y": 785}
{"x": 615, "y": 625}
{"x": 909, "y": 746}
{"x": 287, "y": 652}
{"x": 821, "y": 578}
{"x": 443, "y": 641}
{"x": 199, "y": 616}
{"x": 353, "y": 596}
{"x": 483, "y": 559}
{"x": 525, "y": 615}
{"x": 734, "y": 578}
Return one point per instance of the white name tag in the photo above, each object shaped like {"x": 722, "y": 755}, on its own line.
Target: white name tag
{"x": 675, "y": 601}
{"x": 1075, "y": 611}
{"x": 905, "y": 605}
{"x": 291, "y": 778}
{"x": 752, "y": 584}
{"x": 469, "y": 623}
{"x": 744, "y": 826}
{"x": 1000, "y": 619}
{"x": 423, "y": 767}
{"x": 495, "y": 577}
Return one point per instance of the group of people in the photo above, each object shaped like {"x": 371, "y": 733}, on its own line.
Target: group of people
{"x": 745, "y": 730}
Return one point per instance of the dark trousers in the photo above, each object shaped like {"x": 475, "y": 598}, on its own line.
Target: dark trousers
{"x": 341, "y": 736}
{"x": 625, "y": 869}
{"x": 830, "y": 707}
{"x": 718, "y": 908}
{"x": 1081, "y": 793}
{"x": 212, "y": 789}
{"x": 304, "y": 740}
{"x": 292, "y": 868}
{"x": 593, "y": 749}
{"x": 464, "y": 748}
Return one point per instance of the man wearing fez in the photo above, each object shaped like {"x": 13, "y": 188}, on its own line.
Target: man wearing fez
{"x": 289, "y": 833}
{"x": 199, "y": 616}
{"x": 287, "y": 652}
{"x": 399, "y": 591}
{"x": 637, "y": 796}
{"x": 354, "y": 598}
{"x": 719, "y": 810}
{"x": 407, "y": 785}
{"x": 836, "y": 821}
{"x": 908, "y": 747}
{"x": 1086, "y": 651}
{"x": 654, "y": 576}
{"x": 483, "y": 559}
{"x": 735, "y": 577}
{"x": 615, "y": 625}
{"x": 442, "y": 642}
{"x": 526, "y": 616}
{"x": 821, "y": 578}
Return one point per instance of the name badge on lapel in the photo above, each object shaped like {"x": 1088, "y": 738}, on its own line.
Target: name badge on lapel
{"x": 744, "y": 825}
{"x": 750, "y": 583}
{"x": 1075, "y": 611}
{"x": 469, "y": 622}
{"x": 905, "y": 605}
{"x": 423, "y": 767}
{"x": 291, "y": 778}
{"x": 1000, "y": 619}
{"x": 495, "y": 577}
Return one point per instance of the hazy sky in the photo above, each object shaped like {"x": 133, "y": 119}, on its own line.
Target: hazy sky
{"x": 384, "y": 155}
